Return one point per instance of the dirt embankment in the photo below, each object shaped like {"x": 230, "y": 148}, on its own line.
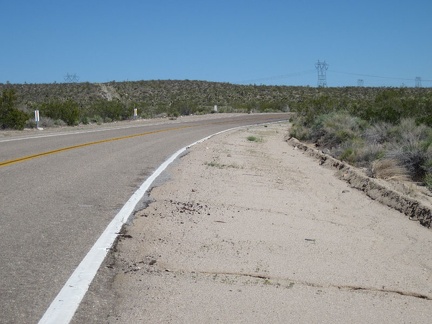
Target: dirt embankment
{"x": 418, "y": 207}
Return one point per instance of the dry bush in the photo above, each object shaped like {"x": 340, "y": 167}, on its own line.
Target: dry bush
{"x": 378, "y": 133}
{"x": 410, "y": 133}
{"x": 358, "y": 152}
{"x": 389, "y": 169}
{"x": 333, "y": 129}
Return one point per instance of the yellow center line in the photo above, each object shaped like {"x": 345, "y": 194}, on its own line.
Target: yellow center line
{"x": 68, "y": 148}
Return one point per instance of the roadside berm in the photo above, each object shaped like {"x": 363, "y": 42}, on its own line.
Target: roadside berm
{"x": 251, "y": 229}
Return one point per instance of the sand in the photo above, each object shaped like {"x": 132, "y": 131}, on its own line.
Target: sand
{"x": 257, "y": 231}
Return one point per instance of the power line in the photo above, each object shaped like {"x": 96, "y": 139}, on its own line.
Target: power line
{"x": 276, "y": 77}
{"x": 378, "y": 76}
{"x": 321, "y": 68}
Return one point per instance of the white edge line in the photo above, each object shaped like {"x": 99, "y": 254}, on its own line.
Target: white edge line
{"x": 65, "y": 304}
{"x": 67, "y": 301}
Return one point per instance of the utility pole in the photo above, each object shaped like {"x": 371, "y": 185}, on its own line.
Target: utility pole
{"x": 322, "y": 77}
{"x": 418, "y": 82}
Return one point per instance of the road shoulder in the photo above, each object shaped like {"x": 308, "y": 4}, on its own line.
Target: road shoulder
{"x": 251, "y": 230}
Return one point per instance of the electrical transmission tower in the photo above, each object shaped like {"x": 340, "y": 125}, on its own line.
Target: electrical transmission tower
{"x": 71, "y": 78}
{"x": 360, "y": 83}
{"x": 322, "y": 69}
{"x": 418, "y": 82}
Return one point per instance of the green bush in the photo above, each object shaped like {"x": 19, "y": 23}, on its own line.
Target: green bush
{"x": 10, "y": 116}
{"x": 67, "y": 111}
{"x": 428, "y": 181}
{"x": 300, "y": 130}
{"x": 332, "y": 129}
{"x": 110, "y": 110}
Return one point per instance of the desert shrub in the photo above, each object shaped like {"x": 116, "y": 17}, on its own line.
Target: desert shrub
{"x": 114, "y": 110}
{"x": 60, "y": 123}
{"x": 67, "y": 111}
{"x": 312, "y": 107}
{"x": 85, "y": 120}
{"x": 411, "y": 146}
{"x": 46, "y": 122}
{"x": 387, "y": 107}
{"x": 330, "y": 130}
{"x": 428, "y": 181}
{"x": 358, "y": 152}
{"x": 30, "y": 123}
{"x": 299, "y": 130}
{"x": 408, "y": 132}
{"x": 96, "y": 119}
{"x": 378, "y": 133}
{"x": 10, "y": 116}
{"x": 413, "y": 156}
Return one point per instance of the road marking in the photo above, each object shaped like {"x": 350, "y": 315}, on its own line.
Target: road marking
{"x": 79, "y": 132}
{"x": 64, "y": 306}
{"x": 103, "y": 129}
{"x": 68, "y": 148}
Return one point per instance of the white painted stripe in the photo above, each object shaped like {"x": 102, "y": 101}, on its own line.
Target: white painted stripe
{"x": 80, "y": 132}
{"x": 64, "y": 306}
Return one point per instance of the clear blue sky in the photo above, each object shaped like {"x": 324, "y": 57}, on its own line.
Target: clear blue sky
{"x": 383, "y": 42}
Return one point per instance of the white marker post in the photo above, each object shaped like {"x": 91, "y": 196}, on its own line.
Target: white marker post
{"x": 135, "y": 113}
{"x": 37, "y": 118}
{"x": 215, "y": 108}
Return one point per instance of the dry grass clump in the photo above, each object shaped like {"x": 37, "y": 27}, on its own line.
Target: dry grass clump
{"x": 378, "y": 133}
{"x": 389, "y": 169}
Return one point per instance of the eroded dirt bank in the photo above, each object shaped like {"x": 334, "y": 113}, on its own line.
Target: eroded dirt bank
{"x": 256, "y": 231}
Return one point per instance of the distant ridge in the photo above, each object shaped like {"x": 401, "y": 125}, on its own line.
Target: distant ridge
{"x": 164, "y": 93}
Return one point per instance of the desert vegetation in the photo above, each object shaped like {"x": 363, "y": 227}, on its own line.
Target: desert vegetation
{"x": 355, "y": 124}
{"x": 74, "y": 103}
{"x": 389, "y": 134}
{"x": 10, "y": 116}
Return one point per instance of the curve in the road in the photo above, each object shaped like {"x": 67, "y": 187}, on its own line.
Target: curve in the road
{"x": 70, "y": 296}
{"x": 34, "y": 156}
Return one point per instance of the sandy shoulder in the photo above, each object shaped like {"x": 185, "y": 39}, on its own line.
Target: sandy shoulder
{"x": 258, "y": 232}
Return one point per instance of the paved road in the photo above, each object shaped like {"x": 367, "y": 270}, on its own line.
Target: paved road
{"x": 53, "y": 207}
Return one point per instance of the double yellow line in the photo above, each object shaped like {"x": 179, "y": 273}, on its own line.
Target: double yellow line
{"x": 68, "y": 148}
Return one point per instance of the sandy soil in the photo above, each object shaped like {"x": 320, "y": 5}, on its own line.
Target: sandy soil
{"x": 258, "y": 232}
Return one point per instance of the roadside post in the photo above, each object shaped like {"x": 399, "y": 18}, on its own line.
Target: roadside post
{"x": 135, "y": 113}
{"x": 37, "y": 118}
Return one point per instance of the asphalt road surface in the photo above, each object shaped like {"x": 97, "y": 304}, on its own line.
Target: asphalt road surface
{"x": 60, "y": 188}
